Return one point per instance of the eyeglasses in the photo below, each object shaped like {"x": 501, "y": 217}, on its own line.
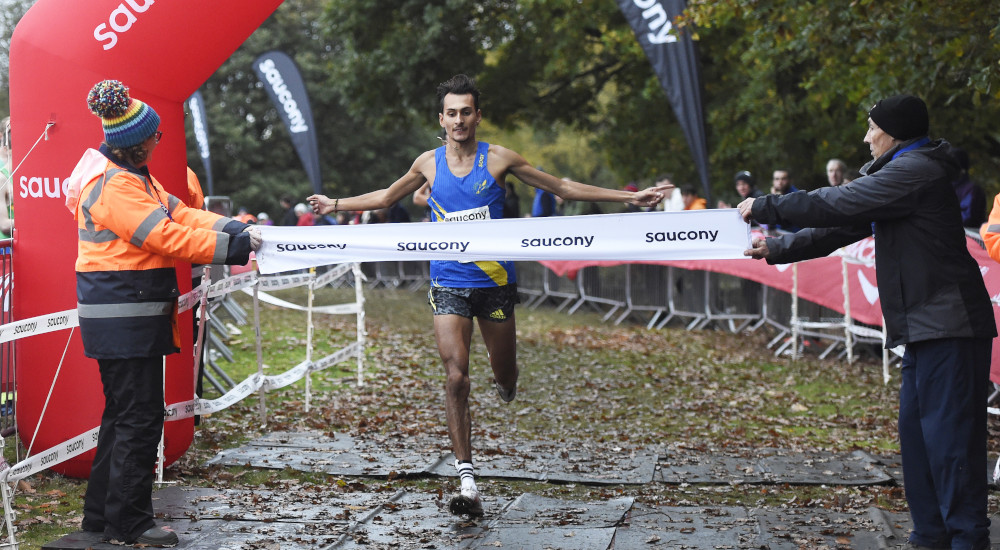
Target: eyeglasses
{"x": 159, "y": 136}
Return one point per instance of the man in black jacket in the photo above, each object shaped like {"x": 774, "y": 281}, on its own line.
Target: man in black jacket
{"x": 934, "y": 302}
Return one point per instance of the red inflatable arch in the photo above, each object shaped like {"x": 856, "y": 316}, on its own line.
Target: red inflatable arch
{"x": 163, "y": 51}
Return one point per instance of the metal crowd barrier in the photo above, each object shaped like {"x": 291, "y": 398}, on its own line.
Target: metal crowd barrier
{"x": 658, "y": 295}
{"x": 408, "y": 275}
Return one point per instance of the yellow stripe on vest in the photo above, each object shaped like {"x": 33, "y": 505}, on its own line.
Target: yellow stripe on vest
{"x": 495, "y": 272}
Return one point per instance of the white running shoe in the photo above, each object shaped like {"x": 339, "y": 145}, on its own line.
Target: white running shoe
{"x": 467, "y": 503}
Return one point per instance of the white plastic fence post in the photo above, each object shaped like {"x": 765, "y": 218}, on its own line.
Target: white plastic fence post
{"x": 848, "y": 322}
{"x": 795, "y": 311}
{"x": 262, "y": 402}
{"x": 359, "y": 298}
{"x": 309, "y": 332}
{"x": 8, "y": 516}
{"x": 10, "y": 520}
{"x": 199, "y": 346}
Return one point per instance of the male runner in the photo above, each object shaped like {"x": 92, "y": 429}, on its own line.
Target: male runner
{"x": 466, "y": 175}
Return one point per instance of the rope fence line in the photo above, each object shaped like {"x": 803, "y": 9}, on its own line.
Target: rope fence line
{"x": 257, "y": 382}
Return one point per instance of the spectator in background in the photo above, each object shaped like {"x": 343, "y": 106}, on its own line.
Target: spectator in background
{"x": 544, "y": 204}
{"x": 323, "y": 219}
{"x": 672, "y": 199}
{"x": 288, "y": 215}
{"x": 781, "y": 184}
{"x": 264, "y": 219}
{"x": 244, "y": 216}
{"x": 511, "y": 203}
{"x": 303, "y": 216}
{"x": 745, "y": 188}
{"x": 691, "y": 199}
{"x": 397, "y": 213}
{"x": 835, "y": 171}
{"x": 6, "y": 183}
{"x": 378, "y": 215}
{"x": 971, "y": 197}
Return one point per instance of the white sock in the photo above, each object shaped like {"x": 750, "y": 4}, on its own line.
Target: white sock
{"x": 466, "y": 473}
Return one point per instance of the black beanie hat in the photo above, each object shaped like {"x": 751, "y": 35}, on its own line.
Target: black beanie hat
{"x": 743, "y": 175}
{"x": 901, "y": 116}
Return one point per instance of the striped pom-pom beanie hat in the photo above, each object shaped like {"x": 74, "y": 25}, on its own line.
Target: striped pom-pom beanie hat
{"x": 126, "y": 121}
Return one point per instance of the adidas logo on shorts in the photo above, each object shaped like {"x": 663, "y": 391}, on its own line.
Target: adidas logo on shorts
{"x": 498, "y": 314}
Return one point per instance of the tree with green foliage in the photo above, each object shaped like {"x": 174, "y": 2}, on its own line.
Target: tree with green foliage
{"x": 797, "y": 78}
{"x": 253, "y": 160}
{"x": 786, "y": 84}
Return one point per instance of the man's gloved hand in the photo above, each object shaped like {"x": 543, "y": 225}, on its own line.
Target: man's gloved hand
{"x": 255, "y": 238}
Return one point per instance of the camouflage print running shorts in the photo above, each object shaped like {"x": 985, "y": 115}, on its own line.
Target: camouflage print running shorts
{"x": 494, "y": 303}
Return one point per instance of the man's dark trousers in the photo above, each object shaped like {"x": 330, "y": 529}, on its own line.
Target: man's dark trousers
{"x": 119, "y": 493}
{"x": 942, "y": 435}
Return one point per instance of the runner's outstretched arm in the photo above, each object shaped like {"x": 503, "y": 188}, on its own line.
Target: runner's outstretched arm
{"x": 572, "y": 190}
{"x": 382, "y": 198}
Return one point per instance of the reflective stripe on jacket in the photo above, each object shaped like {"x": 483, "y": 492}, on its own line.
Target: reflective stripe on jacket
{"x": 130, "y": 233}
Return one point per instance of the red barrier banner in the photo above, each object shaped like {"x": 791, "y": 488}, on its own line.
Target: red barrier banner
{"x": 821, "y": 280}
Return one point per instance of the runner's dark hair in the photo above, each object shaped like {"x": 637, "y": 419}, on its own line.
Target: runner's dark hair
{"x": 459, "y": 84}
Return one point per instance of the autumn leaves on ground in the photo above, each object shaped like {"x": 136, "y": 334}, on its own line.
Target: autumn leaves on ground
{"x": 584, "y": 384}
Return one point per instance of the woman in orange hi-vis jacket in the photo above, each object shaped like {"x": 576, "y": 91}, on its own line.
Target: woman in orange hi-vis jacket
{"x": 131, "y": 231}
{"x": 990, "y": 231}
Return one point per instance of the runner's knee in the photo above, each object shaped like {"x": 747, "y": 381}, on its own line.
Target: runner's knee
{"x": 457, "y": 381}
